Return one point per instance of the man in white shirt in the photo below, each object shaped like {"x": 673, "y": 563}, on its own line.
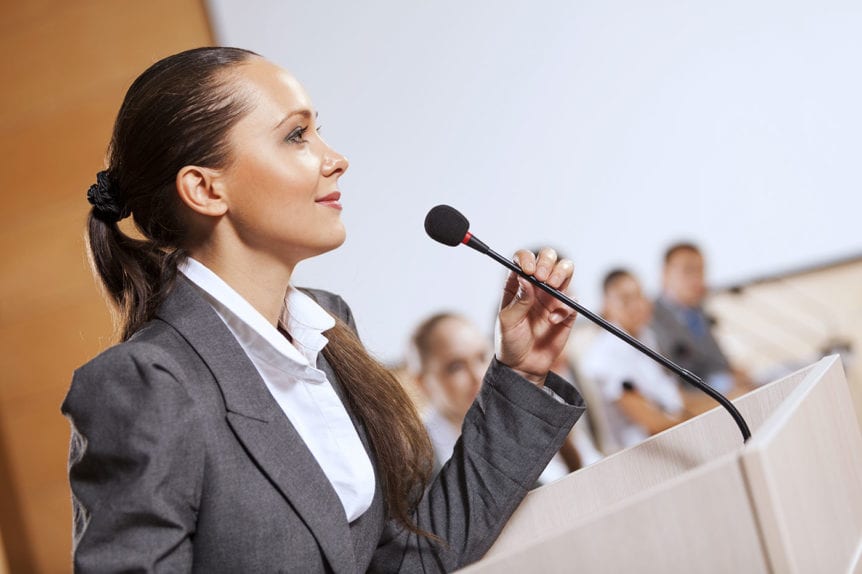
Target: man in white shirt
{"x": 642, "y": 398}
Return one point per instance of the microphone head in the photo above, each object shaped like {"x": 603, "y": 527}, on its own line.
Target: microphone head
{"x": 446, "y": 225}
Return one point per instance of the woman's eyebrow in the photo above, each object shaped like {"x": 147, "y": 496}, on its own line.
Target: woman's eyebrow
{"x": 304, "y": 113}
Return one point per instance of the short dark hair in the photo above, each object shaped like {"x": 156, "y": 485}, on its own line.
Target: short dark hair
{"x": 679, "y": 247}
{"x": 422, "y": 336}
{"x": 613, "y": 276}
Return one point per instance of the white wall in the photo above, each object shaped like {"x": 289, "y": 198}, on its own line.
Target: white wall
{"x": 606, "y": 128}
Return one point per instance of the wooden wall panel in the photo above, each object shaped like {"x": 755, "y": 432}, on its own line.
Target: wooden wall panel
{"x": 67, "y": 67}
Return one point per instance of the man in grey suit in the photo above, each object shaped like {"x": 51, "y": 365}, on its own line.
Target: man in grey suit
{"x": 683, "y": 329}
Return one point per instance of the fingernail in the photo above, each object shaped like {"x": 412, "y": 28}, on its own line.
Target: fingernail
{"x": 557, "y": 317}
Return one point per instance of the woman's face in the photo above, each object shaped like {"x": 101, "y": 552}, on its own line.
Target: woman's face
{"x": 456, "y": 363}
{"x": 281, "y": 184}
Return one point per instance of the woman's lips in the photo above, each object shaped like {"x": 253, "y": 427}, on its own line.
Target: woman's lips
{"x": 331, "y": 200}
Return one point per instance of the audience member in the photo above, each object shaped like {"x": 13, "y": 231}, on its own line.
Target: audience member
{"x": 589, "y": 434}
{"x": 683, "y": 329}
{"x": 448, "y": 357}
{"x": 641, "y": 397}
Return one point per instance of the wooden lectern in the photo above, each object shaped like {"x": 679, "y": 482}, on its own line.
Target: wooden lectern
{"x": 695, "y": 499}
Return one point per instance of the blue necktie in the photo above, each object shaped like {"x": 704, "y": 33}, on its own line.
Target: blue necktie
{"x": 695, "y": 322}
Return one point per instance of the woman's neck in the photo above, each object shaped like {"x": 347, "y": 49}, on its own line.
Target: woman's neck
{"x": 260, "y": 280}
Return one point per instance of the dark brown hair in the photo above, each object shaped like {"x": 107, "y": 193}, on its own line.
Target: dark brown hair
{"x": 401, "y": 445}
{"x": 177, "y": 113}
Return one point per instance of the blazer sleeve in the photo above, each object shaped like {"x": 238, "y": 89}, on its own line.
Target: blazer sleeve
{"x": 509, "y": 435}
{"x": 135, "y": 463}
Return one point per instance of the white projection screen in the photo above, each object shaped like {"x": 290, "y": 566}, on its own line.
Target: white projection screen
{"x": 607, "y": 129}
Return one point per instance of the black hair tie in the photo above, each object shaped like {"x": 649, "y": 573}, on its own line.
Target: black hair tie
{"x": 104, "y": 196}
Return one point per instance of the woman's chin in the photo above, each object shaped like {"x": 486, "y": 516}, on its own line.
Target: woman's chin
{"x": 337, "y": 240}
{"x": 326, "y": 245}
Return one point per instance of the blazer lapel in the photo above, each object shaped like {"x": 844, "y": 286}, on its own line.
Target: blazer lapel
{"x": 261, "y": 425}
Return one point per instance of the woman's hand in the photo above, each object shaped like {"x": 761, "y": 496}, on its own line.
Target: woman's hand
{"x": 534, "y": 326}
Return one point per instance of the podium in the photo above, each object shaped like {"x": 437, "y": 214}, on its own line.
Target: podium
{"x": 695, "y": 499}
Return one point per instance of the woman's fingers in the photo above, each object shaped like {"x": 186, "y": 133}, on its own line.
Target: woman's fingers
{"x": 561, "y": 276}
{"x": 562, "y": 315}
{"x": 545, "y": 267}
{"x": 534, "y": 326}
{"x": 519, "y": 295}
{"x": 545, "y": 263}
{"x": 526, "y": 260}
{"x": 517, "y": 299}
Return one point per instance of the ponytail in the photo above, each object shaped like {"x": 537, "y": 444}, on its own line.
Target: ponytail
{"x": 136, "y": 274}
{"x": 401, "y": 446}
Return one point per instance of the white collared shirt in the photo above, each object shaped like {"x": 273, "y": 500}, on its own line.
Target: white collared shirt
{"x": 610, "y": 362}
{"x": 290, "y": 372}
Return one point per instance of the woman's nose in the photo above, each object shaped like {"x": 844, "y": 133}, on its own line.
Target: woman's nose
{"x": 334, "y": 162}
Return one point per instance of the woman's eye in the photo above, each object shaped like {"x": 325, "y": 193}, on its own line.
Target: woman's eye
{"x": 297, "y": 135}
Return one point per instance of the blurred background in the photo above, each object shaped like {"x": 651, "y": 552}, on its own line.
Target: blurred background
{"x": 605, "y": 129}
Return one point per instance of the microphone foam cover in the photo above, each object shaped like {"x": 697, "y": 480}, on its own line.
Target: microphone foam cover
{"x": 446, "y": 225}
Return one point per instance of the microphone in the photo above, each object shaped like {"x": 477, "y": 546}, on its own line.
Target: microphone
{"x": 448, "y": 226}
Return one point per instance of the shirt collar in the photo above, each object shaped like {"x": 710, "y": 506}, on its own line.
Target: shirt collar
{"x": 301, "y": 316}
{"x": 306, "y": 321}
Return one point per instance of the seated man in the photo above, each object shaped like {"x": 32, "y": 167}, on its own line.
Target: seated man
{"x": 683, "y": 330}
{"x": 642, "y": 398}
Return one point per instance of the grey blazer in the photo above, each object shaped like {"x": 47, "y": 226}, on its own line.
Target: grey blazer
{"x": 700, "y": 355}
{"x": 181, "y": 461}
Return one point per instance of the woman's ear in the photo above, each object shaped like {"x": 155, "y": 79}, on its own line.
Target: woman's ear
{"x": 199, "y": 190}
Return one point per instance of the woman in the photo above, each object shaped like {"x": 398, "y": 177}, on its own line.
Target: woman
{"x": 227, "y": 433}
{"x": 447, "y": 359}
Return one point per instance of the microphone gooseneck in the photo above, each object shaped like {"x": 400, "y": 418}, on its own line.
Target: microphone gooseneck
{"x": 447, "y": 225}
